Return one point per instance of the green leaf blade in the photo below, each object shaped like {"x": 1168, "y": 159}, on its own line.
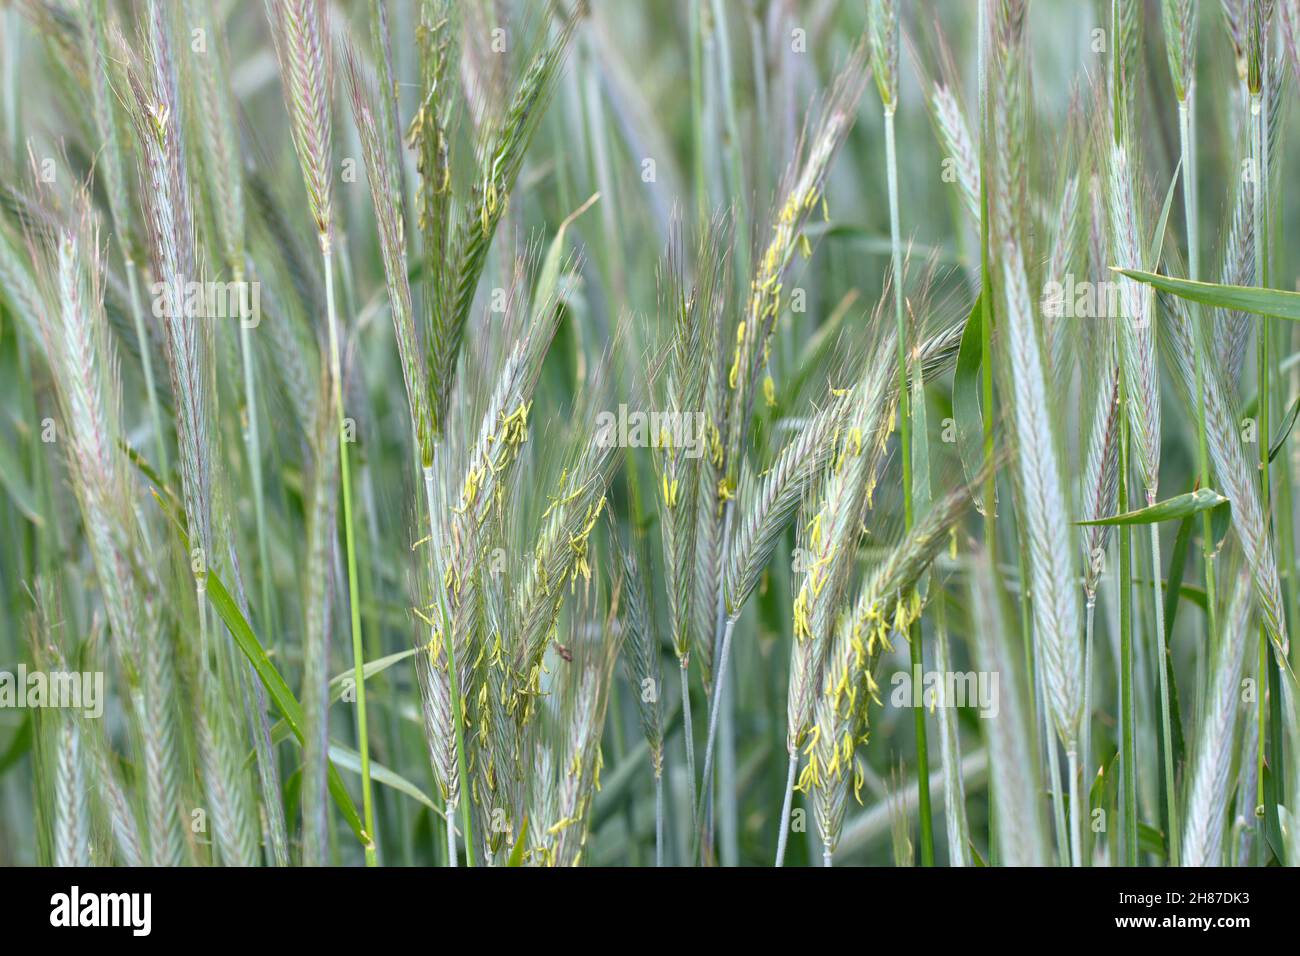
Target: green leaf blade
{"x": 1271, "y": 302}
{"x": 1194, "y": 502}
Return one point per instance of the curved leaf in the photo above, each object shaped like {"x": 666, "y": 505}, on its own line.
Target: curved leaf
{"x": 517, "y": 854}
{"x": 966, "y": 401}
{"x": 350, "y": 760}
{"x": 1284, "y": 429}
{"x": 1194, "y": 502}
{"x": 247, "y": 642}
{"x": 1238, "y": 298}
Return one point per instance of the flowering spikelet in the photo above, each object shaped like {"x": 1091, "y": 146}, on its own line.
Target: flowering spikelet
{"x": 1136, "y": 326}
{"x": 1179, "y": 20}
{"x": 887, "y": 603}
{"x": 800, "y": 198}
{"x": 392, "y": 243}
{"x": 500, "y": 159}
{"x": 1055, "y": 606}
{"x": 79, "y": 350}
{"x": 301, "y": 36}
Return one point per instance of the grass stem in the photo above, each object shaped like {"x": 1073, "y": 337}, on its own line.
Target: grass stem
{"x": 1128, "y": 744}
{"x": 715, "y": 707}
{"x": 659, "y": 819}
{"x": 688, "y": 733}
{"x": 349, "y": 544}
{"x": 1085, "y": 729}
{"x": 786, "y": 804}
{"x": 1163, "y": 664}
{"x": 905, "y": 454}
{"x": 254, "y": 446}
{"x": 1076, "y": 828}
{"x": 1186, "y": 136}
{"x": 1259, "y": 174}
{"x": 146, "y": 363}
{"x": 457, "y": 704}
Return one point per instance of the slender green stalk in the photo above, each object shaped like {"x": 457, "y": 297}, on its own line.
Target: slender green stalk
{"x": 699, "y": 174}
{"x": 986, "y": 401}
{"x": 728, "y": 810}
{"x": 986, "y": 304}
{"x": 254, "y": 448}
{"x": 457, "y": 702}
{"x": 688, "y": 735}
{"x": 1259, "y": 173}
{"x": 349, "y": 543}
{"x": 1261, "y": 719}
{"x": 954, "y": 787}
{"x": 735, "y": 168}
{"x": 1162, "y": 665}
{"x": 905, "y": 454}
{"x": 986, "y": 284}
{"x": 1186, "y": 135}
{"x": 1060, "y": 821}
{"x": 716, "y": 708}
{"x": 450, "y": 821}
{"x": 659, "y": 819}
{"x": 1076, "y": 828}
{"x": 146, "y": 362}
{"x": 787, "y": 801}
{"x": 201, "y": 600}
{"x": 1128, "y": 745}
{"x": 922, "y": 754}
{"x": 1085, "y": 731}
{"x": 723, "y": 624}
{"x": 900, "y": 318}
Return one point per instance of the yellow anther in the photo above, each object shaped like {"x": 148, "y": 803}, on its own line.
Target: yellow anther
{"x": 473, "y": 479}
{"x": 815, "y": 532}
{"x": 900, "y": 618}
{"x": 873, "y": 689}
{"x": 734, "y": 374}
{"x": 514, "y": 427}
{"x": 725, "y": 492}
{"x": 802, "y": 624}
{"x": 814, "y": 735}
{"x": 670, "y": 491}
